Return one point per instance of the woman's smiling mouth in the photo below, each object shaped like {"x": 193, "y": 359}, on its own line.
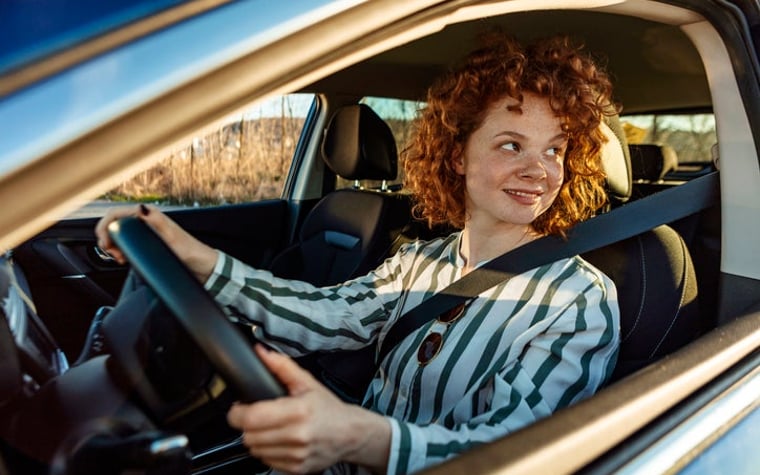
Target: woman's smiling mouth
{"x": 524, "y": 197}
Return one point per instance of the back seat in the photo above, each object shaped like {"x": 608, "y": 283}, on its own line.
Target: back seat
{"x": 650, "y": 164}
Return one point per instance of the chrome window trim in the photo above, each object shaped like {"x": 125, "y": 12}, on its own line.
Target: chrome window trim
{"x": 681, "y": 445}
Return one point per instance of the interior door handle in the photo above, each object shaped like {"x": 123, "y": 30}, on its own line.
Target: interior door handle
{"x": 103, "y": 255}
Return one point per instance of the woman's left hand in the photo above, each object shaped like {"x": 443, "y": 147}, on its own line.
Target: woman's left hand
{"x": 310, "y": 429}
{"x": 197, "y": 256}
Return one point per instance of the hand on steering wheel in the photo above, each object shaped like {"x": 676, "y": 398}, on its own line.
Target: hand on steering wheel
{"x": 197, "y": 256}
{"x": 198, "y": 313}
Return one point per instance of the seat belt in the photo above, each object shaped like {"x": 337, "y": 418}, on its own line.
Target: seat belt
{"x": 639, "y": 216}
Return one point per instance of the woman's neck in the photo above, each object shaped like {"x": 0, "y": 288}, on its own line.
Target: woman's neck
{"x": 476, "y": 247}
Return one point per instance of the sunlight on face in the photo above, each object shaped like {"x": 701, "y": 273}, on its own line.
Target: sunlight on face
{"x": 513, "y": 163}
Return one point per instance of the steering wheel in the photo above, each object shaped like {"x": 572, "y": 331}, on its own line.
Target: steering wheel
{"x": 196, "y": 311}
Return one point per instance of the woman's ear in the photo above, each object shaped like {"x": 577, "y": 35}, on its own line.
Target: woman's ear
{"x": 457, "y": 160}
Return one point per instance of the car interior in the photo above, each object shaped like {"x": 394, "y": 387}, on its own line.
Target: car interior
{"x": 668, "y": 278}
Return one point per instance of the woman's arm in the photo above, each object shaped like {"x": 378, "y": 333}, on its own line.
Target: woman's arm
{"x": 300, "y": 318}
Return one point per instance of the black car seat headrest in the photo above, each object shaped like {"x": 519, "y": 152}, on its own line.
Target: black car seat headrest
{"x": 359, "y": 145}
{"x": 651, "y": 162}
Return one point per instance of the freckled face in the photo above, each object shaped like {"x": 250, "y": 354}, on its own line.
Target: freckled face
{"x": 512, "y": 164}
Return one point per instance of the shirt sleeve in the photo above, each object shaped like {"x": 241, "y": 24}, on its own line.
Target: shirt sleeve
{"x": 567, "y": 362}
{"x": 299, "y": 318}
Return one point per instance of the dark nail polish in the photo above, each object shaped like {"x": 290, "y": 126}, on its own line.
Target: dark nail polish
{"x": 144, "y": 210}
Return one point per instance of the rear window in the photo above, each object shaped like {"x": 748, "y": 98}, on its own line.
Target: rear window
{"x": 690, "y": 135}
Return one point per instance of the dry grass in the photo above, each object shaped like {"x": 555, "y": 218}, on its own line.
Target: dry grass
{"x": 243, "y": 161}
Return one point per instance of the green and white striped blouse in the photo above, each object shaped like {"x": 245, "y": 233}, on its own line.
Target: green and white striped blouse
{"x": 523, "y": 349}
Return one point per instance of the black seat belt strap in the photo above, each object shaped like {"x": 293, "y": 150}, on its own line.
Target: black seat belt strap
{"x": 638, "y": 216}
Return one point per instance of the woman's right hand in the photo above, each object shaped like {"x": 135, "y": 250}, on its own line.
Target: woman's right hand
{"x": 196, "y": 255}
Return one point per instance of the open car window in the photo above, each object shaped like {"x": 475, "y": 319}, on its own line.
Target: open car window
{"x": 245, "y": 158}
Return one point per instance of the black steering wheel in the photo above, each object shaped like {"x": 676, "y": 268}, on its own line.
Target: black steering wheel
{"x": 199, "y": 314}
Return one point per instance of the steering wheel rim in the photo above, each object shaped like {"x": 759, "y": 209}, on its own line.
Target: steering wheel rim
{"x": 198, "y": 313}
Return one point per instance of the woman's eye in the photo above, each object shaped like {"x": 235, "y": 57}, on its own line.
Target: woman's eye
{"x": 511, "y": 146}
{"x": 555, "y": 151}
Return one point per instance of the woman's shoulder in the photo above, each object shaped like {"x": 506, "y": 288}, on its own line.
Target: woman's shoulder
{"x": 579, "y": 269}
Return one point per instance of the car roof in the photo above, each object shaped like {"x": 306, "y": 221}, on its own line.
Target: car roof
{"x": 654, "y": 66}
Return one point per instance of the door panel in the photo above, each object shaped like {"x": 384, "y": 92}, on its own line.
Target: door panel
{"x": 251, "y": 232}
{"x": 69, "y": 279}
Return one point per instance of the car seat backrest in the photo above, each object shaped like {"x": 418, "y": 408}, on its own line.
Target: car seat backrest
{"x": 657, "y": 295}
{"x": 350, "y": 231}
{"x": 656, "y": 285}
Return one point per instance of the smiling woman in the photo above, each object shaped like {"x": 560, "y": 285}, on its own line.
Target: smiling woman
{"x": 574, "y": 116}
{"x": 552, "y": 333}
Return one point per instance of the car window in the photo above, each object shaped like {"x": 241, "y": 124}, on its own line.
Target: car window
{"x": 690, "y": 135}
{"x": 399, "y": 115}
{"x": 246, "y": 158}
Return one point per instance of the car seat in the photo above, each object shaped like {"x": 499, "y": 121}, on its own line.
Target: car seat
{"x": 350, "y": 231}
{"x": 655, "y": 280}
{"x": 650, "y": 163}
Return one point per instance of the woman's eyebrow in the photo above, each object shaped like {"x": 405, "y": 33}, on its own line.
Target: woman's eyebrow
{"x": 510, "y": 133}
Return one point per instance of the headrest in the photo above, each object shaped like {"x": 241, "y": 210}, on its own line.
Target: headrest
{"x": 616, "y": 161}
{"x": 359, "y": 145}
{"x": 650, "y": 162}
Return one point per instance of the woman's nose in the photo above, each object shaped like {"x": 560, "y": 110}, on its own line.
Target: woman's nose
{"x": 532, "y": 166}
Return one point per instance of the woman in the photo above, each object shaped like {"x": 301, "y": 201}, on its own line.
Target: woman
{"x": 508, "y": 150}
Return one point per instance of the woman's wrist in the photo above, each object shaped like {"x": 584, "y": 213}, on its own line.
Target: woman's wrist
{"x": 369, "y": 440}
{"x": 201, "y": 261}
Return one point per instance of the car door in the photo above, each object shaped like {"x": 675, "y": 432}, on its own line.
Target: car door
{"x": 70, "y": 277}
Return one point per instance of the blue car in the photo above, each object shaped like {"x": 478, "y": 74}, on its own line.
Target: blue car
{"x": 220, "y": 112}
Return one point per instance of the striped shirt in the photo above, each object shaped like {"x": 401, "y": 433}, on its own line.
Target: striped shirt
{"x": 523, "y": 349}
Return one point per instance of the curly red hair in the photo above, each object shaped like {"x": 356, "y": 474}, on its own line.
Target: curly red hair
{"x": 579, "y": 92}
